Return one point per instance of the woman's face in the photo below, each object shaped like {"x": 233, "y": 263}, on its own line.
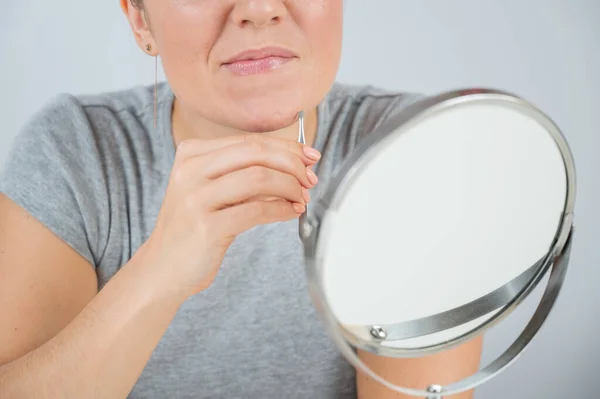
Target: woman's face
{"x": 248, "y": 64}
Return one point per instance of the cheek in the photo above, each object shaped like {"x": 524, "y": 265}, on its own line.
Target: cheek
{"x": 323, "y": 29}
{"x": 326, "y": 43}
{"x": 185, "y": 39}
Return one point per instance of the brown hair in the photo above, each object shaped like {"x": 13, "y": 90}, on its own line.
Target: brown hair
{"x": 139, "y": 4}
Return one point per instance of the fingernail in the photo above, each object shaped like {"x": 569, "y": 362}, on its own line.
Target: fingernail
{"x": 312, "y": 178}
{"x": 306, "y": 195}
{"x": 299, "y": 207}
{"x": 312, "y": 154}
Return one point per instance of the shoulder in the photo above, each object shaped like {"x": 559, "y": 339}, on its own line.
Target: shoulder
{"x": 352, "y": 111}
{"x": 90, "y": 130}
{"x": 358, "y": 94}
{"x": 66, "y": 160}
{"x": 366, "y": 101}
{"x": 68, "y": 116}
{"x": 83, "y": 140}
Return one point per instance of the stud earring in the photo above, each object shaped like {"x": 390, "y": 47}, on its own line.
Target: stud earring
{"x": 148, "y": 47}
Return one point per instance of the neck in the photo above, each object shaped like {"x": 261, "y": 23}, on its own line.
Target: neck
{"x": 187, "y": 126}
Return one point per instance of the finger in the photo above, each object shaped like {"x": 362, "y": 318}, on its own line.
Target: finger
{"x": 247, "y": 184}
{"x": 305, "y": 196}
{"x": 197, "y": 147}
{"x": 240, "y": 156}
{"x": 237, "y": 219}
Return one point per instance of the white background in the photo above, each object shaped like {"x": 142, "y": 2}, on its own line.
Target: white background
{"x": 545, "y": 50}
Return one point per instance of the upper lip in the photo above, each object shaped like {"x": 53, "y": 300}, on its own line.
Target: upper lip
{"x": 258, "y": 54}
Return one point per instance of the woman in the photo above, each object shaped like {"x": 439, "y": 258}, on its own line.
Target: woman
{"x": 162, "y": 261}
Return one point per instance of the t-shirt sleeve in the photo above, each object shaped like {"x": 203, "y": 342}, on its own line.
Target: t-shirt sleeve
{"x": 54, "y": 172}
{"x": 372, "y": 107}
{"x": 392, "y": 105}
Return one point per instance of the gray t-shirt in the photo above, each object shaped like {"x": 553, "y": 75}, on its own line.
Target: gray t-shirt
{"x": 94, "y": 170}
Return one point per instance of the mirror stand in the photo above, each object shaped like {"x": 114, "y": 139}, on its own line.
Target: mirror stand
{"x": 436, "y": 392}
{"x": 558, "y": 263}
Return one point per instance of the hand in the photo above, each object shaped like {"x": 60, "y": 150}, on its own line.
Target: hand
{"x": 219, "y": 189}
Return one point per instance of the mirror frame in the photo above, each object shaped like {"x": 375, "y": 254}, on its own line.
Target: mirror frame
{"x": 556, "y": 259}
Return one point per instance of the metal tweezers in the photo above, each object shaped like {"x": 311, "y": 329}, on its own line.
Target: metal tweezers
{"x": 301, "y": 140}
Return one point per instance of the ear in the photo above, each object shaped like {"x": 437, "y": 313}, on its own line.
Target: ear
{"x": 140, "y": 27}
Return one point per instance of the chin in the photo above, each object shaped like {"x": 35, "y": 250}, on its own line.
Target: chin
{"x": 265, "y": 123}
{"x": 269, "y": 122}
{"x": 264, "y": 103}
{"x": 262, "y": 114}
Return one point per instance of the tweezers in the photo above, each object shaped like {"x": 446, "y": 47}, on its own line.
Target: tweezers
{"x": 302, "y": 140}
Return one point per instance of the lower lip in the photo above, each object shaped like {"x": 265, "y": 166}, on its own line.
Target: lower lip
{"x": 256, "y": 67}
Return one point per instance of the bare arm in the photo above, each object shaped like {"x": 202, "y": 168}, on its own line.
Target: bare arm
{"x": 68, "y": 341}
{"x": 443, "y": 368}
{"x": 101, "y": 353}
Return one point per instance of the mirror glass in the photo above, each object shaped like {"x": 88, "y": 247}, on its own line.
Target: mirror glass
{"x": 440, "y": 224}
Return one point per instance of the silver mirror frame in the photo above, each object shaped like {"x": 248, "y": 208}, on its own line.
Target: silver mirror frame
{"x": 555, "y": 261}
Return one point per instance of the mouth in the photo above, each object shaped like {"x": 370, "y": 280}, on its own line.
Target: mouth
{"x": 264, "y": 60}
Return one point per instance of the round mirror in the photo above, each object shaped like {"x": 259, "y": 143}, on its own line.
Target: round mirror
{"x": 465, "y": 199}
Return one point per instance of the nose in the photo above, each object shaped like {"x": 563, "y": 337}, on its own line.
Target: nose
{"x": 258, "y": 13}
